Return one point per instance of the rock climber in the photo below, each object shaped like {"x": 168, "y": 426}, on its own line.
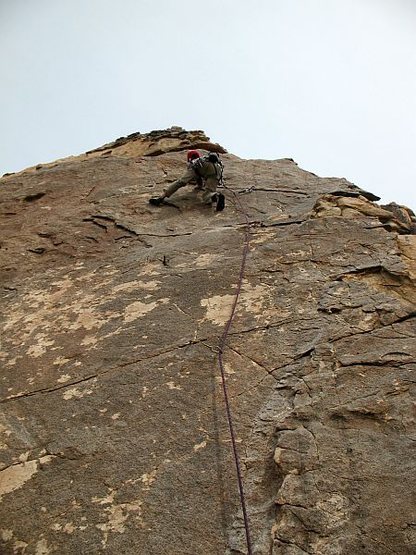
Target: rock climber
{"x": 207, "y": 172}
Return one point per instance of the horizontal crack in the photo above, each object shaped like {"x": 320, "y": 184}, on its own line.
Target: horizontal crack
{"x": 266, "y": 190}
{"x": 21, "y": 463}
{"x": 392, "y": 363}
{"x": 272, "y": 326}
{"x": 282, "y": 223}
{"x": 167, "y": 235}
{"x": 372, "y": 269}
{"x": 380, "y": 328}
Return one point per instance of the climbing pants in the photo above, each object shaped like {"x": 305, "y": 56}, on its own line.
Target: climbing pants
{"x": 210, "y": 185}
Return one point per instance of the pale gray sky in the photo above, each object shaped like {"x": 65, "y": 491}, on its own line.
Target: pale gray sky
{"x": 330, "y": 83}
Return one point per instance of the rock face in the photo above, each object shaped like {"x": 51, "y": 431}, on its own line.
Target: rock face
{"x": 113, "y": 437}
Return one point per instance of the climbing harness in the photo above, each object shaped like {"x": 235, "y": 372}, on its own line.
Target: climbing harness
{"x": 221, "y": 346}
{"x": 200, "y": 162}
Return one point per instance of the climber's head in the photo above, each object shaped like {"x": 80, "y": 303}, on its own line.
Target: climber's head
{"x": 192, "y": 155}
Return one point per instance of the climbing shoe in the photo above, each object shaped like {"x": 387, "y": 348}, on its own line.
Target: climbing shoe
{"x": 156, "y": 201}
{"x": 220, "y": 202}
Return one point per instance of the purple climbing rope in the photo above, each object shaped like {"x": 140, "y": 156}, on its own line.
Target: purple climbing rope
{"x": 222, "y": 344}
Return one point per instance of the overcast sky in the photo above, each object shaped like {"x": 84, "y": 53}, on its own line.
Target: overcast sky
{"x": 330, "y": 83}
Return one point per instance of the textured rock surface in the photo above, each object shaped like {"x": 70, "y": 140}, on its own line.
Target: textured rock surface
{"x": 112, "y": 430}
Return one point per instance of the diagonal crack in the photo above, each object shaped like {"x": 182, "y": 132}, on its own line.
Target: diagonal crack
{"x": 109, "y": 370}
{"x": 47, "y": 389}
{"x": 250, "y": 358}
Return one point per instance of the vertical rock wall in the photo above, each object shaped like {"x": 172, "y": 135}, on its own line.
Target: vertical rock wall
{"x": 112, "y": 430}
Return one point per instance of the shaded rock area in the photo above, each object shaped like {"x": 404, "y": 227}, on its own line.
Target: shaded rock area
{"x": 113, "y": 436}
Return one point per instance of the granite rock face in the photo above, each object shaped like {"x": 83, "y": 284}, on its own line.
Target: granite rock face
{"x": 113, "y": 437}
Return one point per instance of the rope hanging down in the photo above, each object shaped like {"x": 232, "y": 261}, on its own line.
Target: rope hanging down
{"x": 221, "y": 347}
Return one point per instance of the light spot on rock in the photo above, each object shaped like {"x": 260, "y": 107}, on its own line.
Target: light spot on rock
{"x": 149, "y": 285}
{"x": 74, "y": 392}
{"x": 172, "y": 385}
{"x": 206, "y": 260}
{"x": 256, "y": 299}
{"x": 14, "y": 477}
{"x": 134, "y": 285}
{"x": 60, "y": 360}
{"x": 138, "y": 309}
{"x": 127, "y": 287}
{"x": 335, "y": 507}
{"x": 149, "y": 478}
{"x": 88, "y": 320}
{"x": 89, "y": 340}
{"x": 19, "y": 547}
{"x": 199, "y": 446}
{"x": 13, "y": 361}
{"x": 150, "y": 269}
{"x": 117, "y": 516}
{"x": 56, "y": 527}
{"x": 42, "y": 547}
{"x": 218, "y": 308}
{"x": 7, "y": 433}
{"x": 6, "y": 535}
{"x": 105, "y": 500}
{"x": 264, "y": 236}
{"x": 36, "y": 351}
{"x": 228, "y": 369}
{"x": 115, "y": 416}
{"x": 68, "y": 528}
{"x": 64, "y": 378}
{"x": 24, "y": 456}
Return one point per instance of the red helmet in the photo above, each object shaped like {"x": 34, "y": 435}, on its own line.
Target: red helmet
{"x": 192, "y": 155}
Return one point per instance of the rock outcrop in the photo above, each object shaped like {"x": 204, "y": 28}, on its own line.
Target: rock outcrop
{"x": 113, "y": 436}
